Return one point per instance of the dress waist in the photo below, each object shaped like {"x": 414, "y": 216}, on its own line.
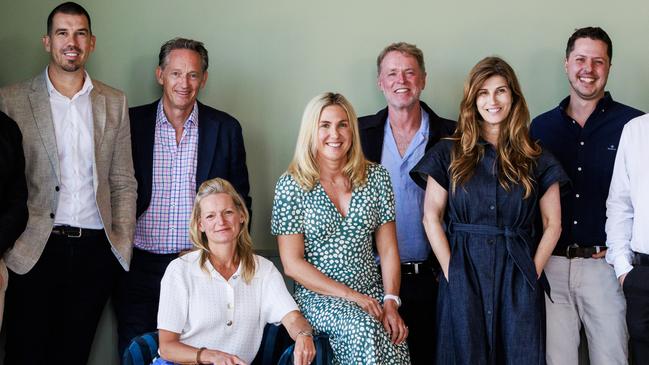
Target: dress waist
{"x": 517, "y": 242}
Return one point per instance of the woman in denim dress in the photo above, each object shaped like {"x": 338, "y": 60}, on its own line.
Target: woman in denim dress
{"x": 488, "y": 182}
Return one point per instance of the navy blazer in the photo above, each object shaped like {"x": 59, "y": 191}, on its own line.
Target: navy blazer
{"x": 372, "y": 129}
{"x": 220, "y": 151}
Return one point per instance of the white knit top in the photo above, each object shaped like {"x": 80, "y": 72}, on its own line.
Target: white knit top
{"x": 208, "y": 311}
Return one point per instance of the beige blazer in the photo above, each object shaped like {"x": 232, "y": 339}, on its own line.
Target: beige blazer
{"x": 115, "y": 186}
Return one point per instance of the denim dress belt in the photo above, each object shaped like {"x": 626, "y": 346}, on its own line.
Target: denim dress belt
{"x": 518, "y": 250}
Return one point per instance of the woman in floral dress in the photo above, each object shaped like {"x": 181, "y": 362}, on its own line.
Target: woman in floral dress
{"x": 328, "y": 206}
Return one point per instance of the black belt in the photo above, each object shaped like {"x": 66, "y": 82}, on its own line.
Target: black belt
{"x": 76, "y": 232}
{"x": 418, "y": 267}
{"x": 572, "y": 252}
{"x": 640, "y": 259}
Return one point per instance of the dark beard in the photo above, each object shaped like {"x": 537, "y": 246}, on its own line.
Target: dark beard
{"x": 71, "y": 67}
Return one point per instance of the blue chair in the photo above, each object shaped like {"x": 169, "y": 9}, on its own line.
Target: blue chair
{"x": 324, "y": 355}
{"x": 142, "y": 350}
{"x": 276, "y": 339}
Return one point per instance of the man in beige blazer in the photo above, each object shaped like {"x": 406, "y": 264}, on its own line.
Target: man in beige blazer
{"x": 81, "y": 199}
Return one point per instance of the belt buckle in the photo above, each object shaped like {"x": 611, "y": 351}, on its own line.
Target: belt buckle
{"x": 73, "y": 234}
{"x": 568, "y": 256}
{"x": 416, "y": 265}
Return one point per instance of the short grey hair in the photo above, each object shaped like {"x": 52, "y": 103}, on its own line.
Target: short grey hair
{"x": 405, "y": 48}
{"x": 183, "y": 43}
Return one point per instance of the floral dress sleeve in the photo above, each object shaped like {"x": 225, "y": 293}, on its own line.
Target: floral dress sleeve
{"x": 379, "y": 178}
{"x": 287, "y": 215}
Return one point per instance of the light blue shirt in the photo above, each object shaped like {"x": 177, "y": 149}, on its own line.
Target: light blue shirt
{"x": 413, "y": 244}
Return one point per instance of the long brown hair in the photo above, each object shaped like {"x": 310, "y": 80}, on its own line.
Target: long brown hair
{"x": 516, "y": 152}
{"x": 244, "y": 251}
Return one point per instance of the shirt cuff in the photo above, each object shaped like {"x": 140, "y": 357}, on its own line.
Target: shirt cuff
{"x": 622, "y": 266}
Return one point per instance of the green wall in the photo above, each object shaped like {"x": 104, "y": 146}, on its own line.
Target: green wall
{"x": 268, "y": 58}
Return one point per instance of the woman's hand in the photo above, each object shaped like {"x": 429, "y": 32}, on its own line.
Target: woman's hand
{"x": 304, "y": 352}
{"x": 393, "y": 323}
{"x": 217, "y": 357}
{"x": 368, "y": 304}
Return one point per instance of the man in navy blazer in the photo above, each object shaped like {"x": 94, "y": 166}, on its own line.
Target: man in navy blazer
{"x": 177, "y": 144}
{"x": 397, "y": 137}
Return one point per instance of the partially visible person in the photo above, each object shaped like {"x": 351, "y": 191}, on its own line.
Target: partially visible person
{"x": 627, "y": 231}
{"x": 13, "y": 195}
{"x": 79, "y": 171}
{"x": 178, "y": 143}
{"x": 397, "y": 137}
{"x": 327, "y": 207}
{"x": 583, "y": 133}
{"x": 489, "y": 180}
{"x": 216, "y": 300}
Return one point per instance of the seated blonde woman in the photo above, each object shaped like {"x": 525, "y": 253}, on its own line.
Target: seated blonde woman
{"x": 216, "y": 300}
{"x": 328, "y": 206}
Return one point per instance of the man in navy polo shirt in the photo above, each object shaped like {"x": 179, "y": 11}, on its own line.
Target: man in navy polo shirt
{"x": 583, "y": 133}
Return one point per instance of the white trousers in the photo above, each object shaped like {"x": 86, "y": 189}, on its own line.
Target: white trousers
{"x": 585, "y": 292}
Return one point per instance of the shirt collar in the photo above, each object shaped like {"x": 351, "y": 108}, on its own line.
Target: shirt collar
{"x": 602, "y": 104}
{"x": 85, "y": 89}
{"x": 423, "y": 127}
{"x": 192, "y": 120}
{"x": 215, "y": 274}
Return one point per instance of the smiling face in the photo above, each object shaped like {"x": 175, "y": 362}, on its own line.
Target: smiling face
{"x": 494, "y": 100}
{"x": 181, "y": 77}
{"x": 220, "y": 219}
{"x": 69, "y": 43}
{"x": 587, "y": 68}
{"x": 401, "y": 80}
{"x": 334, "y": 134}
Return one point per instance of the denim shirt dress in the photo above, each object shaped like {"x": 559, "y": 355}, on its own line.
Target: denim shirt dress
{"x": 491, "y": 309}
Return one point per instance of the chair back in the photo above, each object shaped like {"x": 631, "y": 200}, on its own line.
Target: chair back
{"x": 324, "y": 355}
{"x": 273, "y": 344}
{"x": 142, "y": 350}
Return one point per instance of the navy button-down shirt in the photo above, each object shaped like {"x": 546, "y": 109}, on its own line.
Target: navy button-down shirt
{"x": 587, "y": 155}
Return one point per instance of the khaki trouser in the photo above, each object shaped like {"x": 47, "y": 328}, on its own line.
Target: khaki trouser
{"x": 585, "y": 292}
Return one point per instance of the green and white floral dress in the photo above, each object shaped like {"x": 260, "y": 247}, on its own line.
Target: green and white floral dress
{"x": 341, "y": 248}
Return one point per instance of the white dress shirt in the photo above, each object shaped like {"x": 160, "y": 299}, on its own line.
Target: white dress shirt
{"x": 627, "y": 207}
{"x": 73, "y": 128}
{"x": 225, "y": 315}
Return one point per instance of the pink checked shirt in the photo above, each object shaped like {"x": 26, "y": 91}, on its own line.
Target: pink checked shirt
{"x": 164, "y": 226}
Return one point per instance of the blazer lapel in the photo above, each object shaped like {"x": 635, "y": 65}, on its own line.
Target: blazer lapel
{"x": 40, "y": 103}
{"x": 207, "y": 136}
{"x": 98, "y": 118}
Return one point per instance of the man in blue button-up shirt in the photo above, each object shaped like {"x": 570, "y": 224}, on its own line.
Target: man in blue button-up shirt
{"x": 583, "y": 133}
{"x": 397, "y": 137}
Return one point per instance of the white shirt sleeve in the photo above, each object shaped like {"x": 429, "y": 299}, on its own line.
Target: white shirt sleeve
{"x": 619, "y": 211}
{"x": 276, "y": 301}
{"x": 174, "y": 299}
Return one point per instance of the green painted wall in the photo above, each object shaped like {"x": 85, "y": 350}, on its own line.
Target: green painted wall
{"x": 268, "y": 58}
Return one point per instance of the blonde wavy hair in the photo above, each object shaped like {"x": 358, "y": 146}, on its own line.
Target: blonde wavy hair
{"x": 244, "y": 251}
{"x": 304, "y": 166}
{"x": 516, "y": 152}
